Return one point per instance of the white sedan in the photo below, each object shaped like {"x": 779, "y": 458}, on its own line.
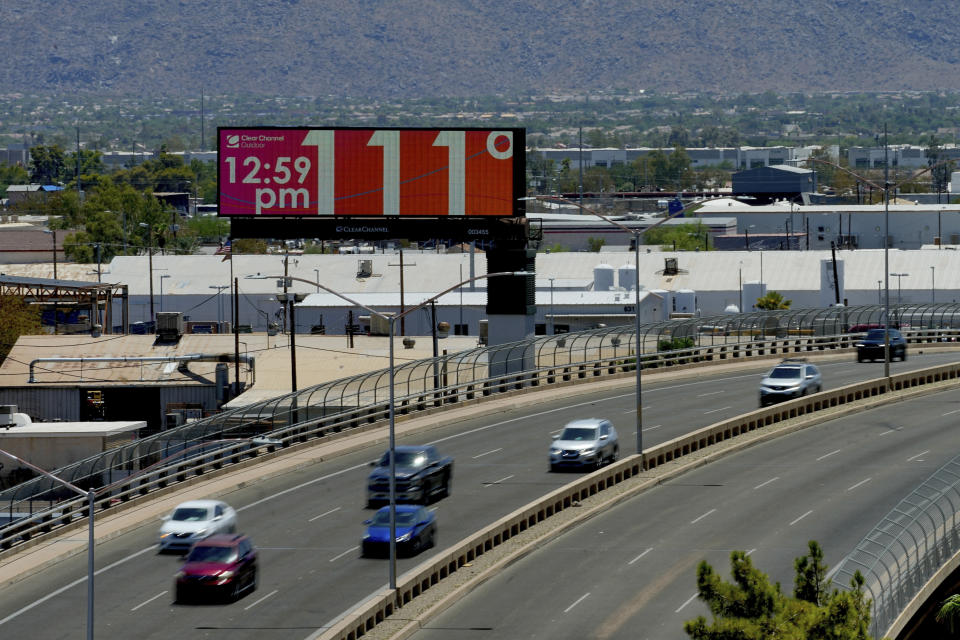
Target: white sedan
{"x": 195, "y": 520}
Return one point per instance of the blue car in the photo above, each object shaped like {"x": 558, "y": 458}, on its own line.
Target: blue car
{"x": 416, "y": 530}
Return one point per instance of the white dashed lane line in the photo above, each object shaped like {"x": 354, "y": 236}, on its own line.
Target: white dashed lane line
{"x": 646, "y": 551}
{"x": 348, "y": 551}
{"x": 859, "y": 484}
{"x": 253, "y": 604}
{"x": 146, "y": 602}
{"x": 325, "y": 513}
{"x": 578, "y": 601}
{"x": 763, "y": 484}
{"x": 922, "y": 453}
{"x": 689, "y": 600}
{"x": 800, "y": 518}
{"x": 480, "y": 455}
{"x": 827, "y": 455}
{"x": 696, "y": 520}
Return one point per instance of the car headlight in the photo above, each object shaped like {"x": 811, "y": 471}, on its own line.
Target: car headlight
{"x": 226, "y": 574}
{"x": 588, "y": 452}
{"x": 165, "y": 535}
{"x": 404, "y": 537}
{"x": 200, "y": 533}
{"x": 366, "y": 536}
{"x": 554, "y": 450}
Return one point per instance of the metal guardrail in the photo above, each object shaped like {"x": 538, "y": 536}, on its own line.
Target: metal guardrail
{"x": 38, "y": 505}
{"x": 367, "y": 615}
{"x": 907, "y": 548}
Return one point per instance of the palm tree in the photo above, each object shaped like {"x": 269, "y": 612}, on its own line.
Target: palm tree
{"x": 949, "y": 614}
{"x": 773, "y": 301}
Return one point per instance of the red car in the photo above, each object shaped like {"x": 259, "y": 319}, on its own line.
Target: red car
{"x": 221, "y": 565}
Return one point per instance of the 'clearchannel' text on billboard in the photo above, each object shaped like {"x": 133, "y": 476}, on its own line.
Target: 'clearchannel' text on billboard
{"x": 370, "y": 172}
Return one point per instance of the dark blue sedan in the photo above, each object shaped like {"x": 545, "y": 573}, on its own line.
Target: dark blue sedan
{"x": 416, "y": 530}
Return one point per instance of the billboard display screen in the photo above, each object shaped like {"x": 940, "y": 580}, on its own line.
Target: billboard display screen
{"x": 350, "y": 172}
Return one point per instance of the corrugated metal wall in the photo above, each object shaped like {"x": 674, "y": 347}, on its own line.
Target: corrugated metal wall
{"x": 44, "y": 404}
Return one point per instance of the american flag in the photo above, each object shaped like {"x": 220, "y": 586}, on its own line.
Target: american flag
{"x": 224, "y": 250}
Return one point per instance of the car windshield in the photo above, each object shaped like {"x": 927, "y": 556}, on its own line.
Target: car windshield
{"x": 405, "y": 459}
{"x": 190, "y": 514}
{"x": 205, "y": 553}
{"x": 786, "y": 372}
{"x": 404, "y": 518}
{"x": 877, "y": 334}
{"x": 579, "y": 433}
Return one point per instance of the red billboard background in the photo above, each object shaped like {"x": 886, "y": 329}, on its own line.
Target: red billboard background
{"x": 370, "y": 172}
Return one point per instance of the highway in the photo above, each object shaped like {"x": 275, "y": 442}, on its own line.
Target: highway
{"x": 307, "y": 524}
{"x": 630, "y": 573}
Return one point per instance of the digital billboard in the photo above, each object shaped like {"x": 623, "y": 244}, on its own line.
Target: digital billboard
{"x": 381, "y": 172}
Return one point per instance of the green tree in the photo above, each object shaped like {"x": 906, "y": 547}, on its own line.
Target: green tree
{"x": 772, "y": 301}
{"x": 47, "y": 164}
{"x": 12, "y": 174}
{"x": 949, "y": 614}
{"x": 751, "y": 608}
{"x": 683, "y": 237}
{"x": 17, "y": 318}
{"x": 594, "y": 244}
{"x": 248, "y": 245}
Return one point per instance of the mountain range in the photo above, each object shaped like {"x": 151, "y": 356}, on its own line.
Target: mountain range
{"x": 431, "y": 48}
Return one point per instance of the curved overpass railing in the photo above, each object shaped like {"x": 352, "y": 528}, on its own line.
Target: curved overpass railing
{"x": 39, "y": 505}
{"x": 907, "y": 549}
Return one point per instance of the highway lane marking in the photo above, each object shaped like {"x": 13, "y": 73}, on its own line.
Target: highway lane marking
{"x": 362, "y": 465}
{"x": 579, "y": 600}
{"x": 689, "y": 600}
{"x": 325, "y": 513}
{"x": 56, "y": 593}
{"x": 712, "y": 393}
{"x": 827, "y": 455}
{"x": 146, "y": 602}
{"x": 950, "y": 413}
{"x": 912, "y": 458}
{"x": 348, "y": 551}
{"x": 800, "y": 518}
{"x": 573, "y": 406}
{"x": 702, "y": 517}
{"x": 862, "y": 482}
{"x": 253, "y": 604}
{"x": 640, "y": 556}
{"x": 763, "y": 484}
{"x": 888, "y": 431}
{"x": 487, "y": 484}
{"x": 751, "y": 551}
{"x": 706, "y": 413}
{"x": 656, "y": 426}
{"x": 487, "y": 453}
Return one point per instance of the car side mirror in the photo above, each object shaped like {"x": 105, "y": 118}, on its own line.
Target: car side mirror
{"x": 604, "y": 437}
{"x": 556, "y": 437}
{"x": 215, "y": 518}
{"x": 368, "y": 522}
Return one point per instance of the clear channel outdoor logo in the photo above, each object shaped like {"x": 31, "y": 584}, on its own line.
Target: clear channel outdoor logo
{"x": 233, "y": 141}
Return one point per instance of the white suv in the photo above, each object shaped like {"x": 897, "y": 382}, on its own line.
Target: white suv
{"x": 585, "y": 443}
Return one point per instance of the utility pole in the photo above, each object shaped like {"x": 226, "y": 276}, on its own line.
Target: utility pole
{"x": 403, "y": 327}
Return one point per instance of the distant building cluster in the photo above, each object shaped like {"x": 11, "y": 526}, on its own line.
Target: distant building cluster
{"x": 700, "y": 157}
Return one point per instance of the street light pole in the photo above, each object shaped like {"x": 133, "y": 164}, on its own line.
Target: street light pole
{"x": 392, "y": 320}
{"x": 551, "y": 326}
{"x": 91, "y": 497}
{"x": 933, "y": 285}
{"x": 637, "y": 234}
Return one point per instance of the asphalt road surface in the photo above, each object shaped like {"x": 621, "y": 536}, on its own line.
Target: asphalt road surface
{"x": 307, "y": 524}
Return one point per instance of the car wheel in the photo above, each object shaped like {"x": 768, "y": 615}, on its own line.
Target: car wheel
{"x": 553, "y": 468}
{"x": 903, "y": 355}
{"x": 236, "y": 591}
{"x": 616, "y": 454}
{"x": 432, "y": 541}
{"x": 179, "y": 596}
{"x": 256, "y": 580}
{"x": 445, "y": 492}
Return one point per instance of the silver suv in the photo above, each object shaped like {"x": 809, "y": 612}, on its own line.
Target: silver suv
{"x": 792, "y": 378}
{"x": 584, "y": 443}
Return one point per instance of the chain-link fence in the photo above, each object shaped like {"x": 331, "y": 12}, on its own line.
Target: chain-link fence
{"x": 431, "y": 383}
{"x": 907, "y": 547}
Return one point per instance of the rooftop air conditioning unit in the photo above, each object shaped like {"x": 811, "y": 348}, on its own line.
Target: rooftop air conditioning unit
{"x": 6, "y": 414}
{"x": 365, "y": 268}
{"x": 670, "y": 267}
{"x": 170, "y": 325}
